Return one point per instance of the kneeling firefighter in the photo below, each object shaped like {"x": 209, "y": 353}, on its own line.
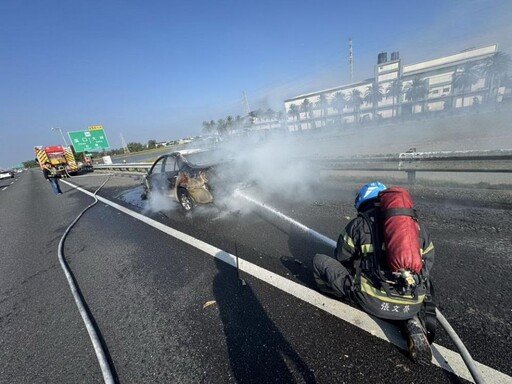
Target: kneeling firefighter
{"x": 382, "y": 263}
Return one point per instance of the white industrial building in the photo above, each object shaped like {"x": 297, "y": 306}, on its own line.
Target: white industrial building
{"x": 430, "y": 86}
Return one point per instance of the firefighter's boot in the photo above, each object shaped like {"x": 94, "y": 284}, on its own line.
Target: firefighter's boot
{"x": 419, "y": 347}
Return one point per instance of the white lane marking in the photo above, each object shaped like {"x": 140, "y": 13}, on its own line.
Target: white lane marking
{"x": 441, "y": 356}
{"x": 4, "y": 188}
{"x": 92, "y": 175}
{"x": 308, "y": 230}
{"x": 12, "y": 182}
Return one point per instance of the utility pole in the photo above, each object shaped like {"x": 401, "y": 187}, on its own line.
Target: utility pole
{"x": 123, "y": 144}
{"x": 350, "y": 60}
{"x": 63, "y": 138}
{"x": 245, "y": 101}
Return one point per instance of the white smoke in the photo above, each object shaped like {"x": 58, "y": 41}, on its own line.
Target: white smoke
{"x": 268, "y": 164}
{"x": 158, "y": 201}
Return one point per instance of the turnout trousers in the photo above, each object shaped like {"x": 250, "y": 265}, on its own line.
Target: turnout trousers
{"x": 331, "y": 276}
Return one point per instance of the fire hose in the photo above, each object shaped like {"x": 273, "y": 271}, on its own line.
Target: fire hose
{"x": 101, "y": 355}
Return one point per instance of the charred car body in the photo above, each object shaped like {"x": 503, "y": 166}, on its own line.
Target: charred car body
{"x": 183, "y": 176}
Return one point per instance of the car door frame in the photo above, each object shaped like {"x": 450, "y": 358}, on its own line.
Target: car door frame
{"x": 164, "y": 181}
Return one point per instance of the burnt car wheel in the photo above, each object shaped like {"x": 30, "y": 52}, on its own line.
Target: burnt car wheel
{"x": 185, "y": 200}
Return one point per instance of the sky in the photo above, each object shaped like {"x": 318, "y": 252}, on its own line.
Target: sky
{"x": 155, "y": 70}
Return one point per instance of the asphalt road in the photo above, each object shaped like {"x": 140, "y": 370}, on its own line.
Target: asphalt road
{"x": 147, "y": 291}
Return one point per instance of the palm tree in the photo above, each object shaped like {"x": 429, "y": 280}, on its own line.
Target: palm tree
{"x": 229, "y": 123}
{"x": 464, "y": 78}
{"x": 374, "y": 95}
{"x": 238, "y": 122}
{"x": 417, "y": 91}
{"x": 269, "y": 116}
{"x": 252, "y": 117}
{"x": 295, "y": 114}
{"x": 206, "y": 127}
{"x": 322, "y": 104}
{"x": 338, "y": 103}
{"x": 307, "y": 107}
{"x": 495, "y": 71}
{"x": 355, "y": 99}
{"x": 256, "y": 115}
{"x": 394, "y": 90}
{"x": 221, "y": 126}
{"x": 281, "y": 118}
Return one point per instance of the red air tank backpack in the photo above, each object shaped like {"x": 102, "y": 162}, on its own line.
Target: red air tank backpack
{"x": 401, "y": 231}
{"x": 391, "y": 284}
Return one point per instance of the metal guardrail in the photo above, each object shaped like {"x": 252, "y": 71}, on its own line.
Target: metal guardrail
{"x": 444, "y": 161}
{"x": 497, "y": 161}
{"x": 125, "y": 168}
{"x": 458, "y": 161}
{"x": 491, "y": 161}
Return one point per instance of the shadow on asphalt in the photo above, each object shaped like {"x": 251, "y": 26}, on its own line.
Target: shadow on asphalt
{"x": 303, "y": 247}
{"x": 257, "y": 350}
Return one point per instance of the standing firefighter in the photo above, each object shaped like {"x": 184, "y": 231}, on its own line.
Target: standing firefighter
{"x": 51, "y": 175}
{"x": 382, "y": 263}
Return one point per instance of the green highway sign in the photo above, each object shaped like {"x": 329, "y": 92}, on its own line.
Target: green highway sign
{"x": 94, "y": 140}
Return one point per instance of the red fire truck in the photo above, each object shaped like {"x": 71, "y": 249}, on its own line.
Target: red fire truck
{"x": 60, "y": 157}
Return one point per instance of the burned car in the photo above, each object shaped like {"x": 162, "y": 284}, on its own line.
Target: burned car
{"x": 183, "y": 176}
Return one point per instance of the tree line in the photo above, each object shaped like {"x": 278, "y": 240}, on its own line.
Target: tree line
{"x": 231, "y": 124}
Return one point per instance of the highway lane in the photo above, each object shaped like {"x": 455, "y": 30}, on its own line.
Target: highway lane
{"x": 148, "y": 295}
{"x": 250, "y": 234}
{"x": 146, "y": 292}
{"x": 6, "y": 183}
{"x": 471, "y": 229}
{"x": 41, "y": 337}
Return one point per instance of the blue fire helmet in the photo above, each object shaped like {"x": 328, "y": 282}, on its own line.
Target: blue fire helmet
{"x": 368, "y": 191}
